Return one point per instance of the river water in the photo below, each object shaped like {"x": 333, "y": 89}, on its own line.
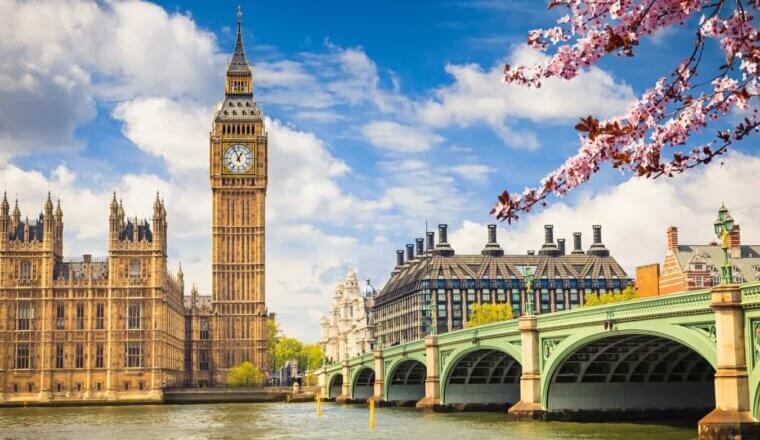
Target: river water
{"x": 299, "y": 421}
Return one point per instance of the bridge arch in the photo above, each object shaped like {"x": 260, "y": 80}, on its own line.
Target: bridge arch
{"x": 405, "y": 381}
{"x": 631, "y": 372}
{"x": 335, "y": 385}
{"x": 363, "y": 383}
{"x": 482, "y": 375}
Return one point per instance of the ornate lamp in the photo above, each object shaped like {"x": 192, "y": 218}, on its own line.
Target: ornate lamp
{"x": 433, "y": 318}
{"x": 528, "y": 276}
{"x": 723, "y": 226}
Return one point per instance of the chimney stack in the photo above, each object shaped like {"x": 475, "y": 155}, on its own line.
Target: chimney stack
{"x": 409, "y": 253}
{"x": 734, "y": 242}
{"x": 420, "y": 242}
{"x": 561, "y": 245}
{"x": 443, "y": 248}
{"x": 430, "y": 241}
{"x": 549, "y": 248}
{"x": 577, "y": 244}
{"x": 672, "y": 239}
{"x": 597, "y": 247}
{"x": 492, "y": 247}
{"x": 399, "y": 258}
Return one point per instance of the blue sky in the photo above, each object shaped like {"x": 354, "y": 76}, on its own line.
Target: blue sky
{"x": 382, "y": 116}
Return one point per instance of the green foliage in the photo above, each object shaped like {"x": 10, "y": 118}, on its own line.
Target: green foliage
{"x": 281, "y": 349}
{"x": 311, "y": 380}
{"x": 287, "y": 349}
{"x": 273, "y": 335}
{"x": 313, "y": 356}
{"x": 245, "y": 374}
{"x": 627, "y": 294}
{"x": 488, "y": 313}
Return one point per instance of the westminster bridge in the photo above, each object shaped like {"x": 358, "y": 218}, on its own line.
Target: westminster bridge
{"x": 690, "y": 353}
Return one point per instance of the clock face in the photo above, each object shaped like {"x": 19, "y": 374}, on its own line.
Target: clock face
{"x": 238, "y": 158}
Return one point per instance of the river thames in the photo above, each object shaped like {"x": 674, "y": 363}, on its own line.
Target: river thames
{"x": 299, "y": 421}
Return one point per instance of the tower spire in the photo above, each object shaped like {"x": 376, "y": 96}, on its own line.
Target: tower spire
{"x": 239, "y": 63}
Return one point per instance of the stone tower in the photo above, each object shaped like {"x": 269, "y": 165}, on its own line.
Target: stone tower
{"x": 238, "y": 174}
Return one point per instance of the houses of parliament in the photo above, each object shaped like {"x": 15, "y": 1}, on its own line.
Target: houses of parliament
{"x": 120, "y": 327}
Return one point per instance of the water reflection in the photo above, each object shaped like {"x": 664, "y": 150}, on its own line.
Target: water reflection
{"x": 299, "y": 421}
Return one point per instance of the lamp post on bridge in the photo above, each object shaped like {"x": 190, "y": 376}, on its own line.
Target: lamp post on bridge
{"x": 528, "y": 276}
{"x": 723, "y": 227}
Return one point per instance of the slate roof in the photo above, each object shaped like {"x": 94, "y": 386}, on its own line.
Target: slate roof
{"x": 748, "y": 260}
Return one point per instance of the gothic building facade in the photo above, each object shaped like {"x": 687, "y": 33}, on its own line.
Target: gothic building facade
{"x": 87, "y": 328}
{"x": 349, "y": 328}
{"x": 119, "y": 328}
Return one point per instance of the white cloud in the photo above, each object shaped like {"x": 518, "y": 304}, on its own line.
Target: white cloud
{"x": 51, "y": 74}
{"x": 481, "y": 97}
{"x": 399, "y": 137}
{"x": 635, "y": 214}
{"x": 175, "y": 130}
{"x": 473, "y": 172}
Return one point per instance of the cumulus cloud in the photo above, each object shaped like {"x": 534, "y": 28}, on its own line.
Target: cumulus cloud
{"x": 479, "y": 96}
{"x": 473, "y": 172}
{"x": 636, "y": 213}
{"x": 399, "y": 137}
{"x": 51, "y": 75}
{"x": 175, "y": 130}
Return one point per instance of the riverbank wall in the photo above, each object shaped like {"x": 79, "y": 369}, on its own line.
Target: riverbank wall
{"x": 170, "y": 396}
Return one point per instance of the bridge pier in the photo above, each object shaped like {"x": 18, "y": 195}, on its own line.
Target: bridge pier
{"x": 377, "y": 394}
{"x": 324, "y": 387}
{"x": 732, "y": 417}
{"x": 433, "y": 376}
{"x": 345, "y": 392}
{"x": 529, "y": 407}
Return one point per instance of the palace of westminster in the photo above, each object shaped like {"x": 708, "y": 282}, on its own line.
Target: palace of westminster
{"x": 120, "y": 327}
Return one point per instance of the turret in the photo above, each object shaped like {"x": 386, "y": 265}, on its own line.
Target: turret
{"x": 15, "y": 217}
{"x": 193, "y": 296}
{"x": 159, "y": 223}
{"x": 48, "y": 224}
{"x": 549, "y": 247}
{"x": 181, "y": 278}
{"x": 5, "y": 219}
{"x": 114, "y": 220}
{"x": 597, "y": 247}
{"x": 58, "y": 222}
{"x": 492, "y": 246}
{"x": 443, "y": 248}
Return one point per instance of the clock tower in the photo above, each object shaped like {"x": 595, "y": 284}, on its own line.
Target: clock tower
{"x": 238, "y": 175}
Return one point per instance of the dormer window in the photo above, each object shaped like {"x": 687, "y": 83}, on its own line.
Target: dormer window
{"x": 699, "y": 266}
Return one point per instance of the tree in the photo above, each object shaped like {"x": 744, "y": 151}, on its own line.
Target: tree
{"x": 669, "y": 114}
{"x": 288, "y": 349}
{"x": 245, "y": 374}
{"x": 273, "y": 335}
{"x": 313, "y": 357}
{"x": 488, "y": 313}
{"x": 594, "y": 299}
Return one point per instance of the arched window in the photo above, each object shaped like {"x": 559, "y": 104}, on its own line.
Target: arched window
{"x": 26, "y": 269}
{"x": 134, "y": 269}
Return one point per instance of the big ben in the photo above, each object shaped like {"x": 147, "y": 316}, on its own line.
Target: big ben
{"x": 238, "y": 175}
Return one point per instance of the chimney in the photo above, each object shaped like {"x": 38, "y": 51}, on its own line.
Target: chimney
{"x": 672, "y": 239}
{"x": 597, "y": 234}
{"x": 420, "y": 242}
{"x": 577, "y": 244}
{"x": 492, "y": 246}
{"x": 399, "y": 258}
{"x": 734, "y": 242}
{"x": 409, "y": 253}
{"x": 561, "y": 245}
{"x": 430, "y": 241}
{"x": 87, "y": 258}
{"x": 549, "y": 248}
{"x": 597, "y": 247}
{"x": 443, "y": 248}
